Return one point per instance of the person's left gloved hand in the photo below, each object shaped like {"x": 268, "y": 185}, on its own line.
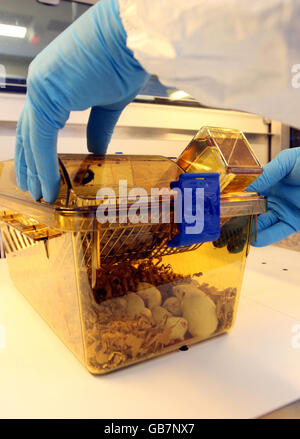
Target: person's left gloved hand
{"x": 280, "y": 183}
{"x": 88, "y": 65}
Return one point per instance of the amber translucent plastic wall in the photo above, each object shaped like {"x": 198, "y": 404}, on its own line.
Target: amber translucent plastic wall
{"x": 200, "y": 290}
{"x": 45, "y": 274}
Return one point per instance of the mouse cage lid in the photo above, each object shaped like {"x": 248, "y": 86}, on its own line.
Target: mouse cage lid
{"x": 82, "y": 176}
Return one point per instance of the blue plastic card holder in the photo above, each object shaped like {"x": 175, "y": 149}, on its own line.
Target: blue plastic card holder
{"x": 197, "y": 209}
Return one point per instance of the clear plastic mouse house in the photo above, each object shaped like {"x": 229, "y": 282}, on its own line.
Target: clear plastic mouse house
{"x": 139, "y": 255}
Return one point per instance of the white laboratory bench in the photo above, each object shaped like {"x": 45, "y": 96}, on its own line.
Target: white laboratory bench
{"x": 250, "y": 371}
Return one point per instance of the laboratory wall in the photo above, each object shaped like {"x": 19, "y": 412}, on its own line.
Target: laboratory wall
{"x": 149, "y": 128}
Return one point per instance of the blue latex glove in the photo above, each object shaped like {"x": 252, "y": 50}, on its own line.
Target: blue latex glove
{"x": 280, "y": 183}
{"x": 88, "y": 65}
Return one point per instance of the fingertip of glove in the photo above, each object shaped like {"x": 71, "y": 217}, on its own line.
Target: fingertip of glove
{"x": 21, "y": 178}
{"x": 34, "y": 188}
{"x": 22, "y": 183}
{"x": 50, "y": 192}
{"x": 49, "y": 198}
{"x": 262, "y": 241}
{"x": 257, "y": 244}
{"x": 99, "y": 146}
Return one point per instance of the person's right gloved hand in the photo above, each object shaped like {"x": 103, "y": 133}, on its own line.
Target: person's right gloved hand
{"x": 280, "y": 183}
{"x": 88, "y": 65}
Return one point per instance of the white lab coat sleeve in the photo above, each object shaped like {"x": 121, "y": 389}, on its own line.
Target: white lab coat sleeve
{"x": 237, "y": 54}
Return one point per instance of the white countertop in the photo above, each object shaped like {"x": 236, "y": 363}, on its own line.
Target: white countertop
{"x": 250, "y": 371}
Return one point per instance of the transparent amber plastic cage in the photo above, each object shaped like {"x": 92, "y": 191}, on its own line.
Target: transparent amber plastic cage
{"x": 115, "y": 293}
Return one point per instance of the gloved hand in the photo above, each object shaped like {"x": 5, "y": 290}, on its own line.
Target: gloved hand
{"x": 280, "y": 183}
{"x": 88, "y": 65}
